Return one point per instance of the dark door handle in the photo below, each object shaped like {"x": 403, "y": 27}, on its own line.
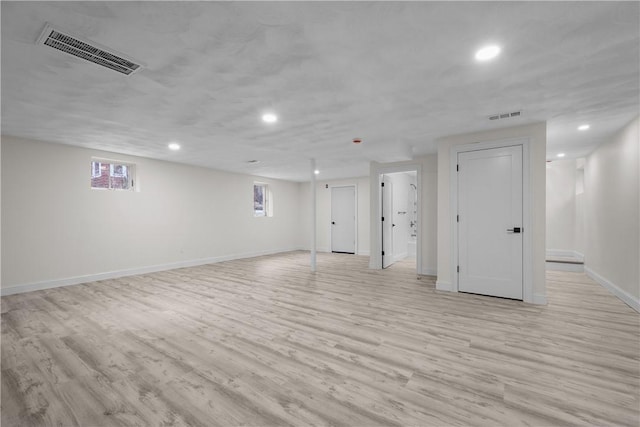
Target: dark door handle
{"x": 333, "y": 223}
{"x": 514, "y": 230}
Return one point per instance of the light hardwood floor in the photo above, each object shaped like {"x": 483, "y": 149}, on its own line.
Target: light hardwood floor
{"x": 263, "y": 342}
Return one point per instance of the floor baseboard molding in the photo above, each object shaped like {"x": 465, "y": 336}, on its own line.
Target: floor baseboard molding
{"x": 561, "y": 266}
{"x": 551, "y": 253}
{"x": 429, "y": 272}
{"x": 444, "y": 286}
{"x": 77, "y": 280}
{"x": 539, "y": 299}
{"x": 400, "y": 257}
{"x": 615, "y": 290}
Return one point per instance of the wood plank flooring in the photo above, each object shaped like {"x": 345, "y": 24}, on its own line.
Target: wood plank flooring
{"x": 264, "y": 342}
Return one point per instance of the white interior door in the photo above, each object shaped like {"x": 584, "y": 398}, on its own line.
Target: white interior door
{"x": 343, "y": 219}
{"x": 490, "y": 222}
{"x": 386, "y": 196}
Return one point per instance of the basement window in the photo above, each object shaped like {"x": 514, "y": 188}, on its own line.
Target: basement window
{"x": 261, "y": 200}
{"x": 110, "y": 175}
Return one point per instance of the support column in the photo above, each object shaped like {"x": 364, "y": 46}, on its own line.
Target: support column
{"x": 313, "y": 215}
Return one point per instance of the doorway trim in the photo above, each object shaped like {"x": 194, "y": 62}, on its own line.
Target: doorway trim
{"x": 376, "y": 172}
{"x": 527, "y": 204}
{"x": 355, "y": 204}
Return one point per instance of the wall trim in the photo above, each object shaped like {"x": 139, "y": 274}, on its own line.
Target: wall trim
{"x": 539, "y": 299}
{"x": 627, "y": 298}
{"x": 560, "y": 266}
{"x": 400, "y": 257}
{"x": 77, "y": 280}
{"x": 565, "y": 253}
{"x": 444, "y": 286}
{"x": 429, "y": 272}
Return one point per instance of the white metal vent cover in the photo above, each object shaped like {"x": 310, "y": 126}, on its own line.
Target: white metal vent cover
{"x": 505, "y": 115}
{"x": 88, "y": 50}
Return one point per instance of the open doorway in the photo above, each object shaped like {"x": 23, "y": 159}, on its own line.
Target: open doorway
{"x": 399, "y": 219}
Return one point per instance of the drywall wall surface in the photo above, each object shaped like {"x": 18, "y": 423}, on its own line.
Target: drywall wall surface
{"x": 537, "y": 135}
{"x": 56, "y": 227}
{"x": 429, "y": 214}
{"x": 612, "y": 206}
{"x": 561, "y": 206}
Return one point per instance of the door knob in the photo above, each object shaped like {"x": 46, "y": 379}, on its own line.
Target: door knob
{"x": 333, "y": 223}
{"x": 514, "y": 230}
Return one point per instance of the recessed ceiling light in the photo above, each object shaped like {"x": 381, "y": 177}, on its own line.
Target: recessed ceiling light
{"x": 316, "y": 171}
{"x": 583, "y": 127}
{"x": 561, "y": 154}
{"x": 174, "y": 146}
{"x": 487, "y": 53}
{"x": 269, "y": 118}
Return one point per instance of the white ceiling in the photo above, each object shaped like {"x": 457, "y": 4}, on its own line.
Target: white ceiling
{"x": 398, "y": 75}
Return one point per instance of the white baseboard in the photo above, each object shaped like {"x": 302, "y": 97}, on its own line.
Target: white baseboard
{"x": 565, "y": 253}
{"x": 630, "y": 300}
{"x": 539, "y": 299}
{"x": 363, "y": 253}
{"x": 561, "y": 266}
{"x": 444, "y": 286}
{"x": 69, "y": 281}
{"x": 400, "y": 257}
{"x": 429, "y": 272}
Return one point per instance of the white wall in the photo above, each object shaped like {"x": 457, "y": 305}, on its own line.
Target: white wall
{"x": 323, "y": 213}
{"x": 57, "y": 230}
{"x": 537, "y": 134}
{"x": 612, "y": 204}
{"x": 561, "y": 206}
{"x": 565, "y": 208}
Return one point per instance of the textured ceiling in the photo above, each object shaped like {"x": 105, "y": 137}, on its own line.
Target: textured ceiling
{"x": 398, "y": 75}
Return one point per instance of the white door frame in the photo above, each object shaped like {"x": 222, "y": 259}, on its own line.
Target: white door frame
{"x": 527, "y": 205}
{"x": 376, "y": 172}
{"x": 355, "y": 204}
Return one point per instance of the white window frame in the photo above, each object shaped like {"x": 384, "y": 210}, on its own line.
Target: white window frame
{"x": 266, "y": 202}
{"x": 112, "y": 169}
{"x": 93, "y": 170}
{"x": 131, "y": 173}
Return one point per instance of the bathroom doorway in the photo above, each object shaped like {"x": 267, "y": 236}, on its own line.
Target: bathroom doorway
{"x": 399, "y": 228}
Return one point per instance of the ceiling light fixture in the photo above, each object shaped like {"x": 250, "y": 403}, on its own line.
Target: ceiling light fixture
{"x": 269, "y": 118}
{"x": 487, "y": 53}
{"x": 561, "y": 154}
{"x": 583, "y": 127}
{"x": 316, "y": 171}
{"x": 174, "y": 146}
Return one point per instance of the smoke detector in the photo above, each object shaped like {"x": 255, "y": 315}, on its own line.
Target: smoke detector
{"x": 87, "y": 50}
{"x": 505, "y": 115}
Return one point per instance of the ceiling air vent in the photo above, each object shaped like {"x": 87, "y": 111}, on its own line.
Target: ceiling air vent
{"x": 88, "y": 50}
{"x": 505, "y": 115}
